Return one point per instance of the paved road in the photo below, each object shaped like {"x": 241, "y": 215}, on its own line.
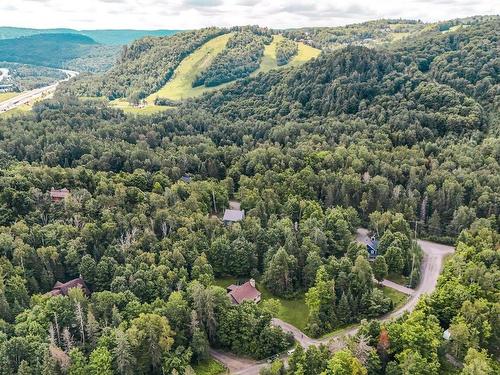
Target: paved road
{"x": 29, "y": 96}
{"x": 399, "y": 288}
{"x": 432, "y": 264}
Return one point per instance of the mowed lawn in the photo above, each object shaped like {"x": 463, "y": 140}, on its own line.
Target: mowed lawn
{"x": 396, "y": 296}
{"x": 180, "y": 86}
{"x": 293, "y": 311}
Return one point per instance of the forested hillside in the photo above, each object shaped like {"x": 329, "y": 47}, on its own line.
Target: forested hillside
{"x": 145, "y": 66}
{"x": 107, "y": 37}
{"x": 60, "y": 50}
{"x": 402, "y": 139}
{"x": 240, "y": 57}
{"x": 328, "y": 38}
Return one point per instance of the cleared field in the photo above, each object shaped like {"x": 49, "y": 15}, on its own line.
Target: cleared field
{"x": 7, "y": 95}
{"x": 124, "y": 105}
{"x": 17, "y": 111}
{"x": 269, "y": 59}
{"x": 180, "y": 86}
{"x": 305, "y": 54}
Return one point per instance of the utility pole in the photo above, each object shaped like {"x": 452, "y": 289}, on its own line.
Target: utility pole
{"x": 412, "y": 266}
{"x": 416, "y": 225}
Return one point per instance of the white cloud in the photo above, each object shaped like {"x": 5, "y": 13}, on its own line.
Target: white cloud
{"x": 189, "y": 14}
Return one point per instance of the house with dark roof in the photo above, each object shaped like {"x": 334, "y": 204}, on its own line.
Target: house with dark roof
{"x": 57, "y": 195}
{"x": 233, "y": 216}
{"x": 244, "y": 292}
{"x": 62, "y": 289}
{"x": 372, "y": 247}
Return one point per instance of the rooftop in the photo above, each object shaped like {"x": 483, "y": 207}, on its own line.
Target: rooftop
{"x": 59, "y": 193}
{"x": 63, "y": 288}
{"x": 243, "y": 292}
{"x": 233, "y": 215}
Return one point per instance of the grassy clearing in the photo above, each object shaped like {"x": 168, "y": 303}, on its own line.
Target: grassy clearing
{"x": 149, "y": 109}
{"x": 180, "y": 86}
{"x": 305, "y": 54}
{"x": 7, "y": 95}
{"x": 396, "y": 296}
{"x": 209, "y": 367}
{"x": 293, "y": 311}
{"x": 17, "y": 111}
{"x": 269, "y": 58}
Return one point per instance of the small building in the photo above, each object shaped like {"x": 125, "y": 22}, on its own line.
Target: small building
{"x": 57, "y": 195}
{"x": 186, "y": 178}
{"x": 62, "y": 289}
{"x": 372, "y": 247}
{"x": 447, "y": 335}
{"x": 233, "y": 216}
{"x": 244, "y": 292}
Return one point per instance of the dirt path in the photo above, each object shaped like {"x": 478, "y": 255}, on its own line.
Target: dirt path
{"x": 432, "y": 264}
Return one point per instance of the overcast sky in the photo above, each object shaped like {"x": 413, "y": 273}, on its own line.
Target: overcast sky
{"x": 190, "y": 14}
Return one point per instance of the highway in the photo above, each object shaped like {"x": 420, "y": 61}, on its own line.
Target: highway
{"x": 29, "y": 96}
{"x": 431, "y": 267}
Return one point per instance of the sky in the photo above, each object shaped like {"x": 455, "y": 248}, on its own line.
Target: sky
{"x": 191, "y": 14}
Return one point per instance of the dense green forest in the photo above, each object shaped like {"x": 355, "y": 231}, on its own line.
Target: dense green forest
{"x": 59, "y": 50}
{"x": 384, "y": 137}
{"x": 238, "y": 59}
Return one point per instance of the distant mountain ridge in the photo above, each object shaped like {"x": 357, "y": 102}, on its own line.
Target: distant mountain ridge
{"x": 108, "y": 36}
{"x": 59, "y": 50}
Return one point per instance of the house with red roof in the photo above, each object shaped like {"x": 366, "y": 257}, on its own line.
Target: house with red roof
{"x": 62, "y": 289}
{"x": 244, "y": 292}
{"x": 57, "y": 195}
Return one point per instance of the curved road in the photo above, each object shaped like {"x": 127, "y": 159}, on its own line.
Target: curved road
{"x": 431, "y": 266}
{"x": 29, "y": 96}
